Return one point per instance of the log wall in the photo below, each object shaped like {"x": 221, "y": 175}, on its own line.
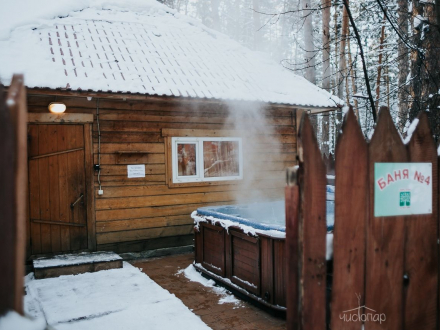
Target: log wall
{"x": 146, "y": 213}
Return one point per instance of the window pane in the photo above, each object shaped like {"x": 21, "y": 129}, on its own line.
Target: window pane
{"x": 221, "y": 158}
{"x": 186, "y": 159}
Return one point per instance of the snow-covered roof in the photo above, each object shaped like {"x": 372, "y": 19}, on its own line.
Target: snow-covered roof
{"x": 139, "y": 46}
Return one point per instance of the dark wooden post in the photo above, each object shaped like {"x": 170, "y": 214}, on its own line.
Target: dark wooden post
{"x": 13, "y": 190}
{"x": 421, "y": 248}
{"x": 351, "y": 214}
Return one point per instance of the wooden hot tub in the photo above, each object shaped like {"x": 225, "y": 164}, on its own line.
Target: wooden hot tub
{"x": 246, "y": 255}
{"x": 252, "y": 265}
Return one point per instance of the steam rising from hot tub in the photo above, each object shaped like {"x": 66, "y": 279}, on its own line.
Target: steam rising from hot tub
{"x": 263, "y": 177}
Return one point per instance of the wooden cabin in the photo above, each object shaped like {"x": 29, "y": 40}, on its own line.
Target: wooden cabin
{"x": 162, "y": 116}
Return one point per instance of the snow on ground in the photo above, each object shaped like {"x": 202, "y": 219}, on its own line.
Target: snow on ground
{"x": 119, "y": 299}
{"x": 14, "y": 321}
{"x": 225, "y": 296}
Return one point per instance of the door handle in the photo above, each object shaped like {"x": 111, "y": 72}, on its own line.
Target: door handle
{"x": 78, "y": 199}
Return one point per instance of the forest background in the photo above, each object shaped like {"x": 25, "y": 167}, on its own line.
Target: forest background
{"x": 370, "y": 53}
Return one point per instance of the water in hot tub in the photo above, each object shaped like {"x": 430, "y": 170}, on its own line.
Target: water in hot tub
{"x": 266, "y": 213}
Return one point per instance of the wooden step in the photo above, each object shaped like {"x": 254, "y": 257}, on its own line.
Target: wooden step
{"x": 72, "y": 264}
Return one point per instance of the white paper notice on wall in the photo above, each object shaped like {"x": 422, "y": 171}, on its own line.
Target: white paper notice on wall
{"x": 136, "y": 171}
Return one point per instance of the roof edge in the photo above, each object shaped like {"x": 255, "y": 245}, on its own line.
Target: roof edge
{"x": 140, "y": 96}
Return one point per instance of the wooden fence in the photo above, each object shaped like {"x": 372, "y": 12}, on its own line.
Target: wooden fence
{"x": 385, "y": 269}
{"x": 13, "y": 187}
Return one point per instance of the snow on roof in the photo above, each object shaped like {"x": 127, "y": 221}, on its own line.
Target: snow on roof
{"x": 139, "y": 47}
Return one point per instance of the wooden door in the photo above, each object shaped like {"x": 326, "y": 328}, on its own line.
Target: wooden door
{"x": 57, "y": 188}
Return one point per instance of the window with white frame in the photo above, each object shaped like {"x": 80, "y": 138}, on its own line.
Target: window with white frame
{"x": 198, "y": 159}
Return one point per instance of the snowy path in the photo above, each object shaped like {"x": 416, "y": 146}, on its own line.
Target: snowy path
{"x": 113, "y": 299}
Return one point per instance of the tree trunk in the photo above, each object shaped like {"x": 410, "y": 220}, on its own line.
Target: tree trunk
{"x": 342, "y": 54}
{"x": 353, "y": 79}
{"x": 379, "y": 67}
{"x": 403, "y": 64}
{"x": 425, "y": 68}
{"x": 326, "y": 73}
{"x": 309, "y": 47}
{"x": 336, "y": 37}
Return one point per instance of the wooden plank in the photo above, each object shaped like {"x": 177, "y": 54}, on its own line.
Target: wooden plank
{"x": 280, "y": 271}
{"x": 64, "y": 118}
{"x": 385, "y": 235}
{"x": 55, "y": 153}
{"x": 81, "y": 207}
{"x": 172, "y": 132}
{"x": 214, "y": 255}
{"x": 421, "y": 247}
{"x": 120, "y": 225}
{"x": 198, "y": 244}
{"x": 145, "y": 190}
{"x": 246, "y": 257}
{"x": 178, "y": 199}
{"x": 89, "y": 188}
{"x": 54, "y": 198}
{"x": 122, "y": 169}
{"x": 44, "y": 180}
{"x": 313, "y": 229}
{"x": 74, "y": 140}
{"x": 65, "y": 213}
{"x": 292, "y": 255}
{"x": 351, "y": 212}
{"x": 117, "y": 180}
{"x": 211, "y": 119}
{"x": 134, "y": 235}
{"x": 118, "y": 126}
{"x": 160, "y": 107}
{"x": 14, "y": 267}
{"x": 41, "y": 273}
{"x": 267, "y": 269}
{"x": 136, "y": 137}
{"x": 117, "y": 147}
{"x": 228, "y": 256}
{"x": 115, "y": 159}
{"x": 57, "y": 224}
{"x": 34, "y": 191}
{"x": 150, "y": 244}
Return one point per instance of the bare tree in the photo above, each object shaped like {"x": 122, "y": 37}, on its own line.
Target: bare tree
{"x": 379, "y": 67}
{"x": 425, "y": 64}
{"x": 403, "y": 59}
{"x": 309, "y": 47}
{"x": 342, "y": 54}
{"x": 326, "y": 72}
{"x": 257, "y": 24}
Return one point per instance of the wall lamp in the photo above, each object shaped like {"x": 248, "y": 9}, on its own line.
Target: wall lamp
{"x": 57, "y": 107}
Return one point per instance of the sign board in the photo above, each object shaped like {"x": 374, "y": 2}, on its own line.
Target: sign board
{"x": 136, "y": 171}
{"x": 402, "y": 189}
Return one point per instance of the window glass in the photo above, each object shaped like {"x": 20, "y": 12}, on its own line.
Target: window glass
{"x": 221, "y": 158}
{"x": 186, "y": 159}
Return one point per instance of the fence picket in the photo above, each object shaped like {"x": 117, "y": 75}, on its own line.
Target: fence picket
{"x": 312, "y": 230}
{"x": 13, "y": 178}
{"x": 292, "y": 208}
{"x": 351, "y": 212}
{"x": 421, "y": 248}
{"x": 385, "y": 235}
